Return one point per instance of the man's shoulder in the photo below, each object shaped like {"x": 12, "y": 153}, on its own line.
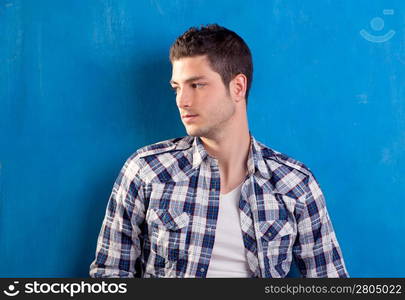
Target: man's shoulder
{"x": 155, "y": 150}
{"x": 174, "y": 144}
{"x": 277, "y": 159}
{"x": 155, "y": 160}
{"x": 288, "y": 175}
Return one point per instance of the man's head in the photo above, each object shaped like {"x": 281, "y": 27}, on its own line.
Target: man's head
{"x": 226, "y": 51}
{"x": 212, "y": 72}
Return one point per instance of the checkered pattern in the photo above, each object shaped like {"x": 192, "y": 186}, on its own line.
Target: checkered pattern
{"x": 161, "y": 216}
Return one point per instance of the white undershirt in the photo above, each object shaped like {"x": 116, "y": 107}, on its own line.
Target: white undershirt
{"x": 228, "y": 257}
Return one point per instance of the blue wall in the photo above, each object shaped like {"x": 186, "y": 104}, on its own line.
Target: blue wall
{"x": 83, "y": 84}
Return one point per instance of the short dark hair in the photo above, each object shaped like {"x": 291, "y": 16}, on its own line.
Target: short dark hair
{"x": 226, "y": 51}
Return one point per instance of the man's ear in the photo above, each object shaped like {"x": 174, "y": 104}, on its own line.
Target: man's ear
{"x": 237, "y": 87}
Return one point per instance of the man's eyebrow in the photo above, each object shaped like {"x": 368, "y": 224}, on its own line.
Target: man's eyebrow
{"x": 188, "y": 80}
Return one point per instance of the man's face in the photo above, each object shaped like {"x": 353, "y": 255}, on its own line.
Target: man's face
{"x": 203, "y": 100}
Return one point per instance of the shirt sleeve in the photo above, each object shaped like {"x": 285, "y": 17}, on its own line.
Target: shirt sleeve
{"x": 316, "y": 248}
{"x": 118, "y": 243}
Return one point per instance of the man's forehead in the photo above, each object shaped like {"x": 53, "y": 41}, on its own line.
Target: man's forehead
{"x": 191, "y": 68}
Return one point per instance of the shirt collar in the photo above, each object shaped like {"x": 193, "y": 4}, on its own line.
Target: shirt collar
{"x": 256, "y": 157}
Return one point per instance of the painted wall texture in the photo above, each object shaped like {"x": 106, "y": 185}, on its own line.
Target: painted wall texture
{"x": 84, "y": 83}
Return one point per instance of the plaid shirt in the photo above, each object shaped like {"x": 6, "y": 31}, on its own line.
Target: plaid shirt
{"x": 161, "y": 216}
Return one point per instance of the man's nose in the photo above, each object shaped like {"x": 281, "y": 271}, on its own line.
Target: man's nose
{"x": 183, "y": 98}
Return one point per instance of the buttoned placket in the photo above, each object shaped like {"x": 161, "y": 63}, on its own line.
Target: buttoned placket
{"x": 244, "y": 198}
{"x": 253, "y": 203}
{"x": 213, "y": 200}
{"x": 252, "y": 200}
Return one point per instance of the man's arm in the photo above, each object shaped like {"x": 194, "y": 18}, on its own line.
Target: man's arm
{"x": 316, "y": 248}
{"x": 118, "y": 244}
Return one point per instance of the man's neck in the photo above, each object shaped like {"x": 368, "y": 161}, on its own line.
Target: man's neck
{"x": 228, "y": 149}
{"x": 231, "y": 150}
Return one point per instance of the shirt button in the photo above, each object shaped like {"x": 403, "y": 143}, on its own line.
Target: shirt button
{"x": 212, "y": 190}
{"x": 202, "y": 269}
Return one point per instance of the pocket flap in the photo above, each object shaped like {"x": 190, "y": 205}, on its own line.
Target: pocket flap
{"x": 271, "y": 229}
{"x": 171, "y": 219}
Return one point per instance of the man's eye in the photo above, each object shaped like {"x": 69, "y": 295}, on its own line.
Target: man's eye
{"x": 197, "y": 85}
{"x": 175, "y": 88}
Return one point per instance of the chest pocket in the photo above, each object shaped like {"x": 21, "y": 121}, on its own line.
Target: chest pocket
{"x": 277, "y": 240}
{"x": 168, "y": 232}
{"x": 275, "y": 230}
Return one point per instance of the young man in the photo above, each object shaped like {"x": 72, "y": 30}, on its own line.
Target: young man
{"x": 216, "y": 203}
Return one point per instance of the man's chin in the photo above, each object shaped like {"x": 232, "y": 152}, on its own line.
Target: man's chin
{"x": 199, "y": 133}
{"x": 195, "y": 132}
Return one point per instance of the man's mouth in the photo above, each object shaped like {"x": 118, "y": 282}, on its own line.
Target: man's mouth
{"x": 189, "y": 117}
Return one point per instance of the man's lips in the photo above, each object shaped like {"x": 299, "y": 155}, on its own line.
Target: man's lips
{"x": 189, "y": 117}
